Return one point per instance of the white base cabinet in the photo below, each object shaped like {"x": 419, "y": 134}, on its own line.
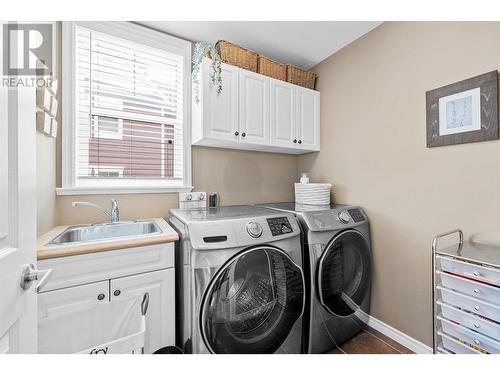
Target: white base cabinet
{"x": 160, "y": 317}
{"x": 77, "y": 314}
{"x": 255, "y": 112}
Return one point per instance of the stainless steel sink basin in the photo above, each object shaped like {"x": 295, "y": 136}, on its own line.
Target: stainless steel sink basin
{"x": 106, "y": 232}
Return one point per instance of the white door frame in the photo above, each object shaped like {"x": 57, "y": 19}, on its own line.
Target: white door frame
{"x": 18, "y": 307}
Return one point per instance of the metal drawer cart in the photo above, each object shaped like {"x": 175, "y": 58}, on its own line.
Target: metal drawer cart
{"x": 465, "y": 297}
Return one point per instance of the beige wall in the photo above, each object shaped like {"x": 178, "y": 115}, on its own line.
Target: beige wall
{"x": 240, "y": 177}
{"x": 46, "y": 183}
{"x": 374, "y": 152}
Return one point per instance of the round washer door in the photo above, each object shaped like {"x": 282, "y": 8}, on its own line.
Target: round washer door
{"x": 253, "y": 302}
{"x": 344, "y": 273}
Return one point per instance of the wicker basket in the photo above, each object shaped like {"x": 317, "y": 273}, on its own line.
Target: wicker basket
{"x": 304, "y": 78}
{"x": 271, "y": 68}
{"x": 235, "y": 55}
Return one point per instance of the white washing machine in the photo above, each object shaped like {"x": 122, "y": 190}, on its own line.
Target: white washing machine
{"x": 240, "y": 283}
{"x": 338, "y": 268}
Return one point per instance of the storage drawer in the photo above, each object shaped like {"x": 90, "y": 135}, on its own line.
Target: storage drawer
{"x": 473, "y": 338}
{"x": 480, "y": 273}
{"x": 469, "y": 320}
{"x": 474, "y": 305}
{"x": 455, "y": 346}
{"x": 88, "y": 268}
{"x": 471, "y": 288}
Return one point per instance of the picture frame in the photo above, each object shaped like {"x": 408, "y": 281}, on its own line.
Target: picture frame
{"x": 463, "y": 112}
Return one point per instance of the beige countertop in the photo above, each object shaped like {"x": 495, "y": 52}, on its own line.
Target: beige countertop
{"x": 45, "y": 251}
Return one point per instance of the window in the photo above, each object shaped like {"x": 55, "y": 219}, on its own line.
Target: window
{"x": 126, "y": 106}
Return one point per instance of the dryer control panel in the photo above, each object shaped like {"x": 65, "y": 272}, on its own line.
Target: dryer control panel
{"x": 279, "y": 225}
{"x": 337, "y": 218}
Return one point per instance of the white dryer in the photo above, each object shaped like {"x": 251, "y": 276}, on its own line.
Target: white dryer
{"x": 240, "y": 283}
{"x": 338, "y": 268}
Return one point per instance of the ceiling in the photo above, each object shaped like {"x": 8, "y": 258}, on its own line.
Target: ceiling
{"x": 300, "y": 43}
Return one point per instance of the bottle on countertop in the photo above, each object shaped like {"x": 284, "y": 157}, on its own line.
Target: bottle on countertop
{"x": 213, "y": 200}
{"x": 304, "y": 178}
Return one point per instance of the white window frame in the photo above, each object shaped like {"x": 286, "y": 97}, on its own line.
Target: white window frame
{"x": 138, "y": 34}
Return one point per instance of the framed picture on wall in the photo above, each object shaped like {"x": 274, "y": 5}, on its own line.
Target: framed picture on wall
{"x": 463, "y": 112}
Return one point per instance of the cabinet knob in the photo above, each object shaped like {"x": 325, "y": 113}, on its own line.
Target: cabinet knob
{"x": 477, "y": 325}
{"x": 477, "y": 291}
{"x": 101, "y": 296}
{"x": 117, "y": 292}
{"x": 236, "y": 133}
{"x": 300, "y": 141}
{"x": 294, "y": 141}
{"x": 243, "y": 134}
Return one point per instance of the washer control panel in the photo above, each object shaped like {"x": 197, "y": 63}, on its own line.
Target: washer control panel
{"x": 343, "y": 217}
{"x": 356, "y": 215}
{"x": 254, "y": 229}
{"x": 279, "y": 225}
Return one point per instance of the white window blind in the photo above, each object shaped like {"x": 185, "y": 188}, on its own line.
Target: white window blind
{"x": 129, "y": 108}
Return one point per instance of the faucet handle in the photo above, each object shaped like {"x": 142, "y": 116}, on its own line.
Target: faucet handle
{"x": 115, "y": 212}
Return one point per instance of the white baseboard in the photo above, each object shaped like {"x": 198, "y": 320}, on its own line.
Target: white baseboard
{"x": 398, "y": 336}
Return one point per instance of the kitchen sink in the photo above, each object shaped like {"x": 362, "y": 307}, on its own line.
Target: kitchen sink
{"x": 106, "y": 232}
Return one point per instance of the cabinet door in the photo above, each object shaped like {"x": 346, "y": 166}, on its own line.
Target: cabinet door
{"x": 254, "y": 108}
{"x": 220, "y": 110}
{"x": 67, "y": 318}
{"x": 282, "y": 114}
{"x": 308, "y": 120}
{"x": 160, "y": 317}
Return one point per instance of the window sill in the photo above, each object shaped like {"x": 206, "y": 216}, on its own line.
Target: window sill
{"x": 121, "y": 190}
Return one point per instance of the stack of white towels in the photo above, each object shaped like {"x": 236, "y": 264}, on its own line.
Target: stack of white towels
{"x": 312, "y": 193}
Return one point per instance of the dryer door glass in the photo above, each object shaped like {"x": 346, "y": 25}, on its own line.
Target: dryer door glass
{"x": 344, "y": 273}
{"x": 253, "y": 302}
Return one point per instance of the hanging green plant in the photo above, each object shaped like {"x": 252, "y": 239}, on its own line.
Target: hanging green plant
{"x": 202, "y": 50}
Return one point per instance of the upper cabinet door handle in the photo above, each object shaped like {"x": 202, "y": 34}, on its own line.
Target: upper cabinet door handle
{"x": 243, "y": 134}
{"x": 300, "y": 141}
{"x": 294, "y": 141}
{"x": 236, "y": 133}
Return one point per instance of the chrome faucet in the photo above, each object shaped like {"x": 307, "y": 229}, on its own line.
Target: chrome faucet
{"x": 114, "y": 214}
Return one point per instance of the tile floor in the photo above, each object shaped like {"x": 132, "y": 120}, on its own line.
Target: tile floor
{"x": 370, "y": 341}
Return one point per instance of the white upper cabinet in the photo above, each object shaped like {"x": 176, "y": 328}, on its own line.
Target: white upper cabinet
{"x": 255, "y": 112}
{"x": 217, "y": 112}
{"x": 254, "y": 108}
{"x": 308, "y": 124}
{"x": 282, "y": 119}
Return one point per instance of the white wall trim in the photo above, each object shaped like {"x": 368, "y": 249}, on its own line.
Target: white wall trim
{"x": 67, "y": 75}
{"x": 398, "y": 336}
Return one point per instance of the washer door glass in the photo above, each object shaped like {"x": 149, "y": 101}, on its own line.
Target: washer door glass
{"x": 344, "y": 273}
{"x": 253, "y": 302}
